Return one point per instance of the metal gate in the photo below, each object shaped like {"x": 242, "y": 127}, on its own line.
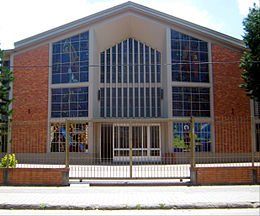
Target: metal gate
{"x": 123, "y": 151}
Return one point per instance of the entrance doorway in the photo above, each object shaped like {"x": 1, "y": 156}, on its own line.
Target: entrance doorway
{"x": 146, "y": 142}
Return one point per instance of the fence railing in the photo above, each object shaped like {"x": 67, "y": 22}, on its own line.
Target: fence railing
{"x": 131, "y": 149}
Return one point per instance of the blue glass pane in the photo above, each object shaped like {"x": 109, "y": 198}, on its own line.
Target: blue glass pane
{"x": 65, "y": 114}
{"x": 65, "y": 58}
{"x": 75, "y": 38}
{"x": 55, "y": 107}
{"x": 56, "y": 78}
{"x": 55, "y": 98}
{"x": 84, "y": 46}
{"x": 83, "y": 56}
{"x": 65, "y": 78}
{"x": 56, "y": 48}
{"x": 65, "y": 107}
{"x": 175, "y": 35}
{"x": 55, "y": 58}
{"x": 55, "y": 114}
{"x": 82, "y": 113}
{"x": 84, "y": 36}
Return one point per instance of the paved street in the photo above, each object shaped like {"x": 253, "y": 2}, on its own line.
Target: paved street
{"x": 193, "y": 212}
{"x": 81, "y": 196}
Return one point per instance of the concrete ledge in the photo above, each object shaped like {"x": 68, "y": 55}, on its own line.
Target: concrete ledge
{"x": 132, "y": 207}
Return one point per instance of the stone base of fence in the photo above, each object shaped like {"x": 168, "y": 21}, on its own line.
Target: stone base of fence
{"x": 225, "y": 175}
{"x": 34, "y": 176}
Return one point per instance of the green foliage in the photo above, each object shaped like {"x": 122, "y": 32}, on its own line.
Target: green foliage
{"x": 43, "y": 206}
{"x": 178, "y": 142}
{"x": 12, "y": 161}
{"x": 6, "y": 78}
{"x": 161, "y": 205}
{"x": 139, "y": 207}
{"x": 250, "y": 62}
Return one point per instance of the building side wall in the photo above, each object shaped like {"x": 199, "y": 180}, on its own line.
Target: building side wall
{"x": 231, "y": 105}
{"x": 229, "y": 99}
{"x": 30, "y": 90}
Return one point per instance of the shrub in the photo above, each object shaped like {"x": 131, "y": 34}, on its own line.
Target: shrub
{"x": 12, "y": 161}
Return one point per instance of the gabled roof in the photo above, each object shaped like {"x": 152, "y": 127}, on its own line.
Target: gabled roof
{"x": 222, "y": 38}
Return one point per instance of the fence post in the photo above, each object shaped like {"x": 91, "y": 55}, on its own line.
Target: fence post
{"x": 193, "y": 171}
{"x": 67, "y": 142}
{"x": 252, "y": 142}
{"x": 131, "y": 150}
{"x": 193, "y": 162}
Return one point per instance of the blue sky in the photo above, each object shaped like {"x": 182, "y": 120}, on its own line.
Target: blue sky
{"x": 24, "y": 18}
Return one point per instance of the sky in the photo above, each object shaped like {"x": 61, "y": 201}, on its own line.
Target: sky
{"x": 21, "y": 19}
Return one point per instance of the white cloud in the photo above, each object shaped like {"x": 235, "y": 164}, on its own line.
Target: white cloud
{"x": 244, "y": 6}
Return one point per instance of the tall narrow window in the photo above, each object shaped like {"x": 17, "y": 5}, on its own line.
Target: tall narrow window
{"x": 119, "y": 62}
{"x": 136, "y": 103}
{"x": 102, "y": 67}
{"x": 153, "y": 102}
{"x": 136, "y": 53}
{"x": 147, "y": 63}
{"x": 141, "y": 63}
{"x": 108, "y": 102}
{"x": 147, "y": 95}
{"x": 114, "y": 64}
{"x": 125, "y": 102}
{"x": 119, "y": 93}
{"x": 142, "y": 102}
{"x": 125, "y": 61}
{"x": 102, "y": 102}
{"x": 113, "y": 102}
{"x": 108, "y": 67}
{"x": 130, "y": 59}
{"x": 131, "y": 102}
{"x": 152, "y": 66}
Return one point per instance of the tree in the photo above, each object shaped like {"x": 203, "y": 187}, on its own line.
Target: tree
{"x": 250, "y": 62}
{"x": 6, "y": 78}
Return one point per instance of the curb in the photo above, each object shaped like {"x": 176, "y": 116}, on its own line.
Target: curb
{"x": 131, "y": 207}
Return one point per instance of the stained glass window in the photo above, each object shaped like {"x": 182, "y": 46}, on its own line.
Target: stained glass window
{"x": 189, "y": 58}
{"x": 188, "y": 101}
{"x": 70, "y": 59}
{"x": 182, "y": 136}
{"x": 69, "y": 102}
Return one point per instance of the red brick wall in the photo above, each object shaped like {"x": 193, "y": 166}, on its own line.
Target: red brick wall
{"x": 232, "y": 133}
{"x": 34, "y": 176}
{"x": 1, "y": 176}
{"x": 226, "y": 175}
{"x": 30, "y": 90}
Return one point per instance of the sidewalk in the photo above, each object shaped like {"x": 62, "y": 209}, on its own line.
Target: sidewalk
{"x": 82, "y": 196}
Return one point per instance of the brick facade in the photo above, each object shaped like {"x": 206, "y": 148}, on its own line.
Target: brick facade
{"x": 36, "y": 176}
{"x": 231, "y": 105}
{"x": 30, "y": 90}
{"x": 226, "y": 175}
